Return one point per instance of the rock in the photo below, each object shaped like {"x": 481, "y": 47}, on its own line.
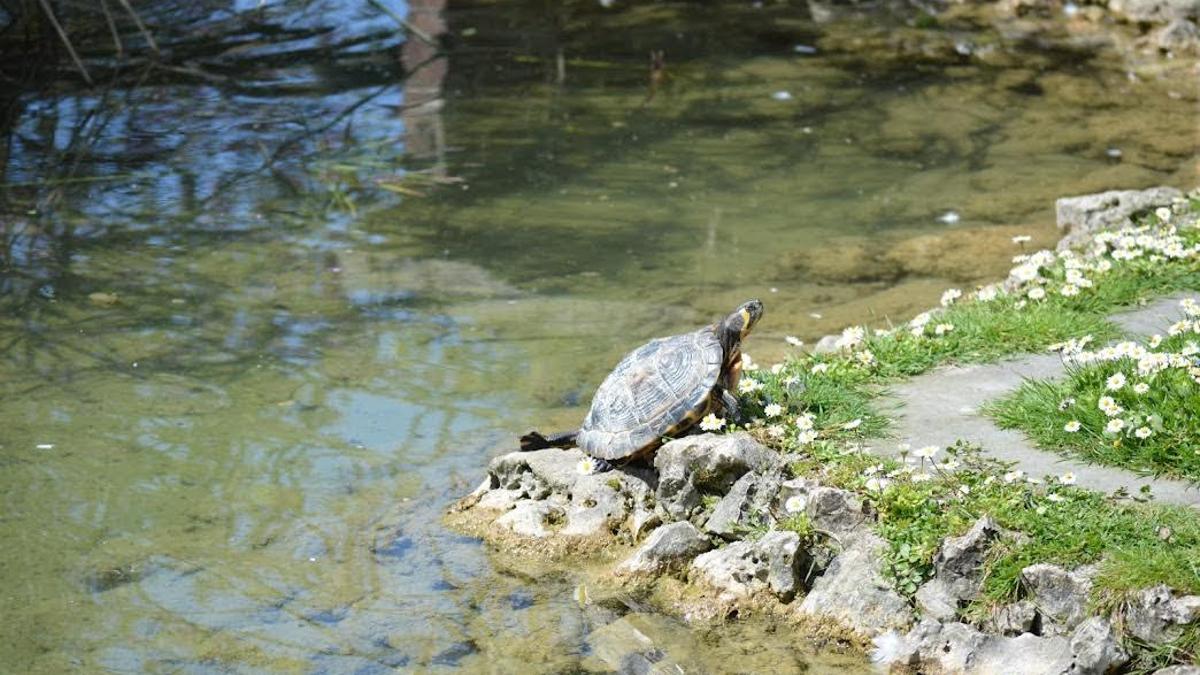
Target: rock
{"x": 670, "y": 545}
{"x": 1180, "y": 36}
{"x": 853, "y": 591}
{"x": 623, "y": 647}
{"x": 837, "y": 511}
{"x": 750, "y": 497}
{"x": 596, "y": 507}
{"x": 1083, "y": 217}
{"x": 958, "y": 648}
{"x": 958, "y": 564}
{"x": 1060, "y": 596}
{"x": 827, "y": 344}
{"x": 530, "y": 518}
{"x": 693, "y": 466}
{"x": 1178, "y": 670}
{"x": 936, "y": 601}
{"x": 1155, "y": 11}
{"x": 744, "y": 567}
{"x": 1095, "y": 649}
{"x": 499, "y": 499}
{"x": 1013, "y": 619}
{"x": 1155, "y": 616}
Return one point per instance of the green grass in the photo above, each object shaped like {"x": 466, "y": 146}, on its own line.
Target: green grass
{"x": 1135, "y": 542}
{"x": 1168, "y": 413}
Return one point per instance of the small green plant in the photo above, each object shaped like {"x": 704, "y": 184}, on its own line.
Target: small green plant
{"x": 1133, "y": 405}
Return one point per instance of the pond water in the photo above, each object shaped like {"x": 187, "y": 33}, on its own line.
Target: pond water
{"x": 264, "y": 313}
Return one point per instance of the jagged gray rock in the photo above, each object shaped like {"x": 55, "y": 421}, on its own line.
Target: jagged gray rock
{"x": 1178, "y": 670}
{"x": 693, "y": 466}
{"x": 771, "y": 563}
{"x": 1083, "y": 217}
{"x": 596, "y": 507}
{"x": 530, "y": 518}
{"x": 748, "y": 499}
{"x": 837, "y": 511}
{"x": 958, "y": 571}
{"x": 1013, "y": 619}
{"x": 853, "y": 591}
{"x": 1061, "y": 596}
{"x": 1155, "y": 615}
{"x": 959, "y": 648}
{"x": 936, "y": 601}
{"x": 1095, "y": 649}
{"x": 670, "y": 545}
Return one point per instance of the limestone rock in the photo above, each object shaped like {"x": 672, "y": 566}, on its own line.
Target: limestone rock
{"x": 531, "y": 518}
{"x": 1155, "y": 615}
{"x": 936, "y": 601}
{"x": 1013, "y": 619}
{"x": 838, "y": 511}
{"x": 1061, "y": 596}
{"x": 750, "y": 497}
{"x": 624, "y": 647}
{"x": 1178, "y": 670}
{"x": 1083, "y": 217}
{"x": 958, "y": 648}
{"x": 771, "y": 563}
{"x": 959, "y": 562}
{"x": 670, "y": 545}
{"x": 596, "y": 507}
{"x": 854, "y": 592}
{"x": 1095, "y": 648}
{"x": 693, "y": 466}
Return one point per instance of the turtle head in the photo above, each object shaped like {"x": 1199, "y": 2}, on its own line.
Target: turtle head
{"x": 738, "y": 325}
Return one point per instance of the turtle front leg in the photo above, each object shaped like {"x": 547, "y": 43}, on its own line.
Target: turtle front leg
{"x": 733, "y": 411}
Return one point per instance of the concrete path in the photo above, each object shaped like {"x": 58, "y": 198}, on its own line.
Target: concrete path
{"x": 941, "y": 407}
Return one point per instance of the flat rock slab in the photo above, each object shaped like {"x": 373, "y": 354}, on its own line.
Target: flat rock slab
{"x": 942, "y": 406}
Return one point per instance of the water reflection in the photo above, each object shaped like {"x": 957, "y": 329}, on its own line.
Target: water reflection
{"x": 266, "y": 306}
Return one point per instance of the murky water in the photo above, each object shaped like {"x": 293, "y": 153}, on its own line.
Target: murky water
{"x": 266, "y": 314}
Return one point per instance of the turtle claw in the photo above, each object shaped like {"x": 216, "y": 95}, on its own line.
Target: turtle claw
{"x": 602, "y": 466}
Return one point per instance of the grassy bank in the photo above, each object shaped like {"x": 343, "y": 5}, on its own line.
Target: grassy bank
{"x": 818, "y": 406}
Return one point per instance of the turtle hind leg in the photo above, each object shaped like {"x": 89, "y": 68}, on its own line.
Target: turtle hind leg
{"x": 535, "y": 441}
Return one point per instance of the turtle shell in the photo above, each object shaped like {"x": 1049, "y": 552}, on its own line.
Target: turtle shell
{"x": 662, "y": 387}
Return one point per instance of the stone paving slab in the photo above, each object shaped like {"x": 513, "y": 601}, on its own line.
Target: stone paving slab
{"x": 941, "y": 407}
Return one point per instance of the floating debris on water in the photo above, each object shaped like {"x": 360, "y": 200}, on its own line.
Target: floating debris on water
{"x": 804, "y": 49}
{"x": 949, "y": 217}
{"x": 782, "y": 95}
{"x": 45, "y": 446}
{"x": 1113, "y": 153}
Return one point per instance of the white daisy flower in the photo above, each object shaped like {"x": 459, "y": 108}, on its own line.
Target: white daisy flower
{"x": 926, "y": 452}
{"x": 775, "y": 431}
{"x": 1141, "y": 388}
{"x": 1021, "y": 239}
{"x": 950, "y": 296}
{"x": 943, "y": 328}
{"x": 1115, "y": 382}
{"x": 1114, "y": 425}
{"x": 807, "y": 436}
{"x": 1067, "y": 478}
{"x": 804, "y": 422}
{"x": 773, "y": 410}
{"x": 1072, "y": 426}
{"x": 712, "y": 423}
{"x": 586, "y": 466}
{"x": 1037, "y": 293}
{"x": 795, "y": 504}
{"x": 1143, "y": 432}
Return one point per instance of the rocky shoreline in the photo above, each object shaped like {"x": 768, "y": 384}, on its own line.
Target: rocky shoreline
{"x": 717, "y": 510}
{"x": 722, "y": 526}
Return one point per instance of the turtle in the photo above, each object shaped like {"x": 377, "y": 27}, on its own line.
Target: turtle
{"x": 662, "y": 388}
